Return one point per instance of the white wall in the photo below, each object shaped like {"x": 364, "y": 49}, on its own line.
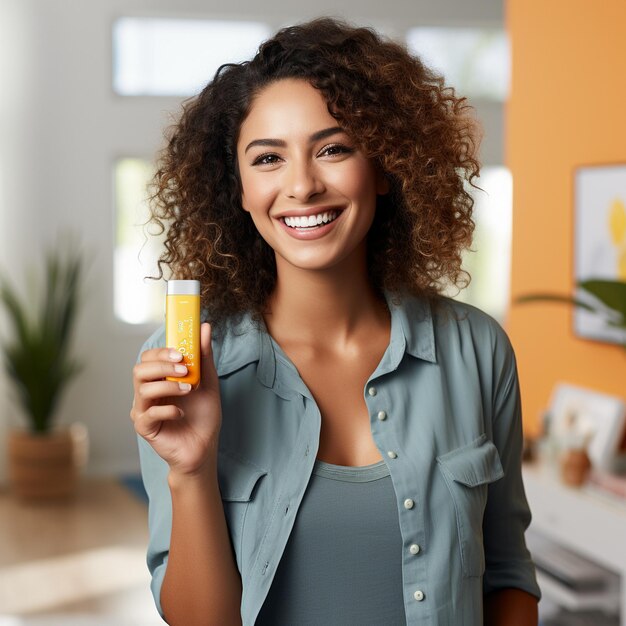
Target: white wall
{"x": 18, "y": 224}
{"x": 61, "y": 129}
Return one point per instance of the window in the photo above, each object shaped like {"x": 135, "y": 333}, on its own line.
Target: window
{"x": 475, "y": 61}
{"x": 160, "y": 57}
{"x": 177, "y": 57}
{"x": 137, "y": 300}
{"x": 489, "y": 260}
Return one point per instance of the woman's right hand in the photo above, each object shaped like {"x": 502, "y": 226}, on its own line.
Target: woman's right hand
{"x": 181, "y": 424}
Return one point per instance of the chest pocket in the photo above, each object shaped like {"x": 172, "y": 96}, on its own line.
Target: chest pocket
{"x": 467, "y": 472}
{"x": 237, "y": 479}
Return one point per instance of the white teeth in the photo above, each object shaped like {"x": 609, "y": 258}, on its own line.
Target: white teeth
{"x": 311, "y": 220}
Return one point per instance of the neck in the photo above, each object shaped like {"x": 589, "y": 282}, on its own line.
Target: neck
{"x": 324, "y": 307}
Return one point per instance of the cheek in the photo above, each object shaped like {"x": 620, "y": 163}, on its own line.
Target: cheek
{"x": 251, "y": 198}
{"x": 357, "y": 171}
{"x": 360, "y": 184}
{"x": 257, "y": 193}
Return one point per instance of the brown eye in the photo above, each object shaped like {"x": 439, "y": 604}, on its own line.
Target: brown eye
{"x": 266, "y": 159}
{"x": 335, "y": 149}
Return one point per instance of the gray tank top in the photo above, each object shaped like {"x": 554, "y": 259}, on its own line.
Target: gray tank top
{"x": 342, "y": 565}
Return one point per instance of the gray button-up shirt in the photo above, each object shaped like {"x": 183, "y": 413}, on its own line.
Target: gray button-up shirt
{"x": 444, "y": 398}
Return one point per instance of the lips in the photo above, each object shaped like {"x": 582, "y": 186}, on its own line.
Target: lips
{"x": 314, "y": 231}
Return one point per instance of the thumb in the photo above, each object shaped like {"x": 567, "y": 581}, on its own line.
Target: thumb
{"x": 207, "y": 366}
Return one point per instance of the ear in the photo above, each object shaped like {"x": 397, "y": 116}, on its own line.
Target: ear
{"x": 243, "y": 204}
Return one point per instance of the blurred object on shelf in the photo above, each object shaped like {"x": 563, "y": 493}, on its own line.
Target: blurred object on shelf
{"x": 529, "y": 450}
{"x": 580, "y": 418}
{"x": 575, "y": 466}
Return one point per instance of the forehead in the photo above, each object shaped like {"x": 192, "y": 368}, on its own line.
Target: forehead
{"x": 286, "y": 108}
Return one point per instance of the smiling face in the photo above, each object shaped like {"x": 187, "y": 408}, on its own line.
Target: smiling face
{"x": 310, "y": 193}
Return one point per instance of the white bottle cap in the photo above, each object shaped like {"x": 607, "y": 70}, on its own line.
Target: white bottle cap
{"x": 183, "y": 287}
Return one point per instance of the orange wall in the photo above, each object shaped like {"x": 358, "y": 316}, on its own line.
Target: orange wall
{"x": 567, "y": 108}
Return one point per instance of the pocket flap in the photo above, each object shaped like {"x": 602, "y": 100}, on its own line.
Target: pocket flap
{"x": 473, "y": 464}
{"x": 237, "y": 476}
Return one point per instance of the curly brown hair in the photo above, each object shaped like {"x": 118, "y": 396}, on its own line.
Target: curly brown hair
{"x": 399, "y": 114}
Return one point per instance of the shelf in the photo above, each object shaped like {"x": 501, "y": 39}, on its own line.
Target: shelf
{"x": 589, "y": 524}
{"x": 577, "y": 518}
{"x": 606, "y": 601}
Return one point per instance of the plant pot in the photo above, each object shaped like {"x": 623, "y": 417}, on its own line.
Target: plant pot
{"x": 47, "y": 466}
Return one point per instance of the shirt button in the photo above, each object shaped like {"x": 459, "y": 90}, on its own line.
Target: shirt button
{"x": 391, "y": 454}
{"x": 414, "y": 548}
{"x": 372, "y": 391}
{"x": 382, "y": 416}
{"x": 419, "y": 595}
{"x": 408, "y": 503}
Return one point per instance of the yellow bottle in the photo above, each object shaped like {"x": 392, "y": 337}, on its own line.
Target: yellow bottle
{"x": 182, "y": 326}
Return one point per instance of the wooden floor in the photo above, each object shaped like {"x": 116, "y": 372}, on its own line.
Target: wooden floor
{"x": 80, "y": 563}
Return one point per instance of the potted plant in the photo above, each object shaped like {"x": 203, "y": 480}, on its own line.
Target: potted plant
{"x": 608, "y": 300}
{"x": 44, "y": 461}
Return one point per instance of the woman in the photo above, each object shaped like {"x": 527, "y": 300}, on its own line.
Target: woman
{"x": 352, "y": 455}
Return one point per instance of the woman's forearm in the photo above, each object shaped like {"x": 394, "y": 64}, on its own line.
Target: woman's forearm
{"x": 510, "y": 607}
{"x": 202, "y": 586}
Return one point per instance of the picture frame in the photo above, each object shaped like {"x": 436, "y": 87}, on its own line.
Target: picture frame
{"x": 599, "y": 243}
{"x": 579, "y": 416}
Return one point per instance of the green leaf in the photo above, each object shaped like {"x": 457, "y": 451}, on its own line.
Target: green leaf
{"x": 611, "y": 293}
{"x": 36, "y": 352}
{"x": 553, "y": 297}
{"x": 17, "y": 314}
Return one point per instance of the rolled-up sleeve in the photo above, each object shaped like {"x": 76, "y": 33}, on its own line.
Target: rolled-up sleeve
{"x": 154, "y": 471}
{"x": 507, "y": 515}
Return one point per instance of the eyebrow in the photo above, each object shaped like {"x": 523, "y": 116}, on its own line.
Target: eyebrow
{"x": 279, "y": 143}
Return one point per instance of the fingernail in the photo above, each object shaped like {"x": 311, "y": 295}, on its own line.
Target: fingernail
{"x": 184, "y": 386}
{"x": 180, "y": 369}
{"x": 175, "y": 355}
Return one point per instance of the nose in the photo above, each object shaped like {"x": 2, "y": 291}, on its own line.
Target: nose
{"x": 302, "y": 180}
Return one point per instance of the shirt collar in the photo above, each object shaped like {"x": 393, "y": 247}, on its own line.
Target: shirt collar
{"x": 413, "y": 322}
{"x": 238, "y": 345}
{"x": 248, "y": 341}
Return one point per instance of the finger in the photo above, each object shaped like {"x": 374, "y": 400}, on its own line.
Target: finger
{"x": 148, "y": 393}
{"x": 207, "y": 368}
{"x": 205, "y": 340}
{"x": 157, "y": 412}
{"x": 161, "y": 354}
{"x": 149, "y": 423}
{"x": 156, "y": 370}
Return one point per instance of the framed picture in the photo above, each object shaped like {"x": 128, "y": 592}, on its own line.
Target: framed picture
{"x": 583, "y": 416}
{"x": 600, "y": 243}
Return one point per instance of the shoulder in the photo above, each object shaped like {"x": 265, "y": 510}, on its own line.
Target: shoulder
{"x": 467, "y": 338}
{"x": 155, "y": 340}
{"x": 473, "y": 324}
{"x": 482, "y": 343}
{"x": 463, "y": 331}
